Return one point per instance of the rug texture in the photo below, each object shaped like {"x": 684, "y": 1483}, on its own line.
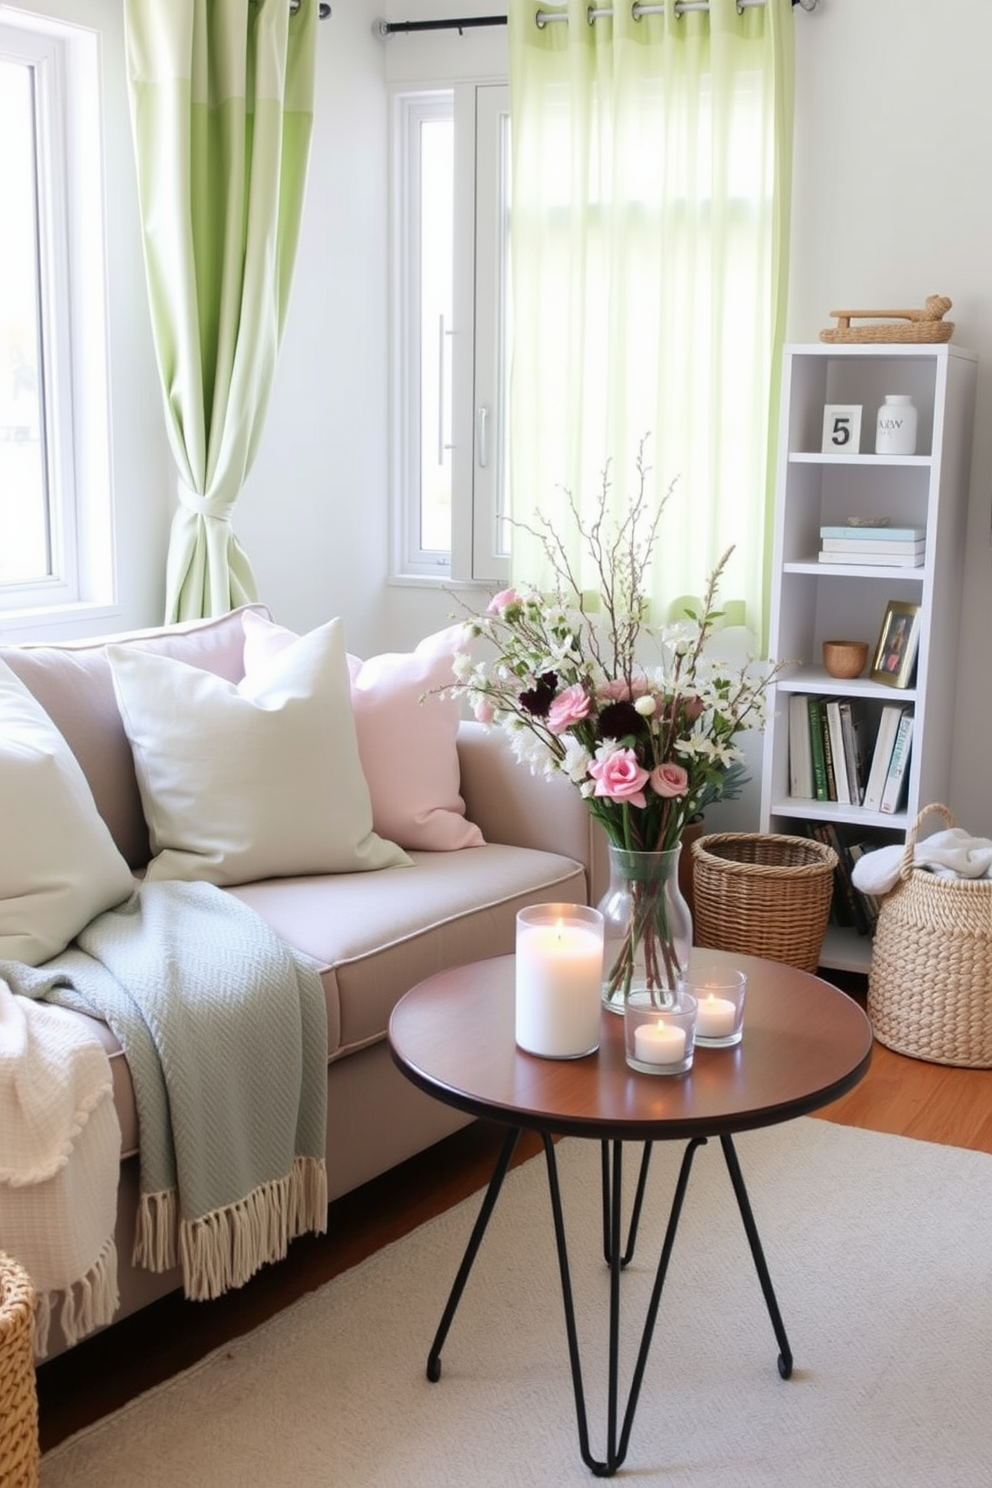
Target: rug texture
{"x": 880, "y": 1250}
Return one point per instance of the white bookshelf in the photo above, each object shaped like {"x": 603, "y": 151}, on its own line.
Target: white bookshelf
{"x": 812, "y": 602}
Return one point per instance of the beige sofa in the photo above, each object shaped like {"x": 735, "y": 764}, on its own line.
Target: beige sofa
{"x": 374, "y": 934}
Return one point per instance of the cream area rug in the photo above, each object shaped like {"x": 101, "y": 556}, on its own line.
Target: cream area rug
{"x": 880, "y": 1250}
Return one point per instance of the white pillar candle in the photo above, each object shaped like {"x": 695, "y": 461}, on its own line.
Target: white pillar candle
{"x": 659, "y": 1043}
{"x": 715, "y": 1017}
{"x": 559, "y": 974}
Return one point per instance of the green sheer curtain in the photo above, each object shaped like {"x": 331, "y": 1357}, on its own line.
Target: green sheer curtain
{"x": 649, "y": 235}
{"x": 222, "y": 111}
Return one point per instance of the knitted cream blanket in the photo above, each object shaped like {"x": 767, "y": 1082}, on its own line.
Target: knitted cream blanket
{"x": 59, "y": 1160}
{"x": 224, "y": 1029}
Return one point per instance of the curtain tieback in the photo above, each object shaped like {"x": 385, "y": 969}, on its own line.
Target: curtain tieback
{"x": 204, "y": 506}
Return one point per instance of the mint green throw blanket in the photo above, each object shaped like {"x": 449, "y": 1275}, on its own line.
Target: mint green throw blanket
{"x": 225, "y": 1031}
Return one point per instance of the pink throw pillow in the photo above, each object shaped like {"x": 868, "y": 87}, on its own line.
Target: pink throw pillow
{"x": 407, "y": 746}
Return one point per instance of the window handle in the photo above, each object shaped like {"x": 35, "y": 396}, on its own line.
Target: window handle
{"x": 482, "y": 437}
{"x": 442, "y": 333}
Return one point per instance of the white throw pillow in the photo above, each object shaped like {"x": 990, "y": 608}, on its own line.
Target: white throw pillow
{"x": 59, "y": 865}
{"x": 254, "y": 780}
{"x": 393, "y": 698}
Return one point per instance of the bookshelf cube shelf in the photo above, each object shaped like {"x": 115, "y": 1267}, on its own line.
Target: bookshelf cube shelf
{"x": 812, "y": 601}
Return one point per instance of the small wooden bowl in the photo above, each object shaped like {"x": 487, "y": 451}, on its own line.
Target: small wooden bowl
{"x": 845, "y": 658}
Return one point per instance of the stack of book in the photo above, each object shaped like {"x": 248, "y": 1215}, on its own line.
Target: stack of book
{"x": 882, "y": 547}
{"x": 849, "y": 906}
{"x": 831, "y": 756}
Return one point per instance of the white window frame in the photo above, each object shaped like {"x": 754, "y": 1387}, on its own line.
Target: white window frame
{"x": 480, "y": 111}
{"x": 73, "y": 294}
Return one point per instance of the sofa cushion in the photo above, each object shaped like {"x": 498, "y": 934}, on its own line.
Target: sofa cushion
{"x": 251, "y": 780}
{"x": 381, "y": 937}
{"x": 72, "y": 682}
{"x": 396, "y": 707}
{"x": 59, "y": 867}
{"x": 376, "y": 935}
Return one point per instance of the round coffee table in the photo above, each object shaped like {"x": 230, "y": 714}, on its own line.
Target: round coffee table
{"x": 805, "y": 1043}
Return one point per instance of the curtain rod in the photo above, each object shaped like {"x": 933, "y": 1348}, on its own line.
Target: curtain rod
{"x": 383, "y": 28}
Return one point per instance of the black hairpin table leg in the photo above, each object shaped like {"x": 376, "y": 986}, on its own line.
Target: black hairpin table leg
{"x": 616, "y": 1446}
{"x": 471, "y": 1250}
{"x": 760, "y": 1265}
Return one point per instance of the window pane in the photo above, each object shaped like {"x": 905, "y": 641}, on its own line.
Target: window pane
{"x": 25, "y": 548}
{"x": 436, "y": 205}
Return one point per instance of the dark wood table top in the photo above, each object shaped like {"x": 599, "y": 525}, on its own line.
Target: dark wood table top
{"x": 805, "y": 1043}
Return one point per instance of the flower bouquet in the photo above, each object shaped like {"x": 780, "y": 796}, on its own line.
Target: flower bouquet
{"x": 648, "y": 740}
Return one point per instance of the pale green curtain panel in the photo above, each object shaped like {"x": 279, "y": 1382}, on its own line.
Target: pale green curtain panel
{"x": 222, "y": 110}
{"x": 649, "y": 226}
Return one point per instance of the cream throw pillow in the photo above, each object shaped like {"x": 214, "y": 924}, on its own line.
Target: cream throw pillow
{"x": 254, "y": 780}
{"x": 59, "y": 866}
{"x": 407, "y": 735}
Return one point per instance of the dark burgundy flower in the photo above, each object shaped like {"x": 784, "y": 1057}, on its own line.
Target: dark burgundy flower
{"x": 538, "y": 700}
{"x": 620, "y": 720}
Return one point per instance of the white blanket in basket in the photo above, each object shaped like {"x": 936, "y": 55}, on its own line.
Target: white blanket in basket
{"x": 953, "y": 853}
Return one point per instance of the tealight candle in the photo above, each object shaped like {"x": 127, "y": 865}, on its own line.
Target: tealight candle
{"x": 719, "y": 990}
{"x": 716, "y": 1016}
{"x": 559, "y": 975}
{"x": 658, "y": 1031}
{"x": 659, "y": 1043}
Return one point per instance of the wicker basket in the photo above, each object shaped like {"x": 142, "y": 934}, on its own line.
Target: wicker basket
{"x": 763, "y": 894}
{"x": 930, "y": 982}
{"x": 20, "y": 1455}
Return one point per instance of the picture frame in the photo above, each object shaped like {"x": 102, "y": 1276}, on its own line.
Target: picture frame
{"x": 841, "y": 429}
{"x": 895, "y": 654}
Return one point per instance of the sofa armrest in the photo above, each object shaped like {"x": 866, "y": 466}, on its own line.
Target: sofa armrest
{"x": 512, "y": 806}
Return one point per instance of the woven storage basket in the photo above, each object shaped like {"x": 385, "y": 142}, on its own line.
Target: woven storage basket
{"x": 930, "y": 981}
{"x": 763, "y": 894}
{"x": 20, "y": 1454}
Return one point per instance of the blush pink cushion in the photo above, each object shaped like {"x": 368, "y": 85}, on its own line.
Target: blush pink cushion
{"x": 406, "y": 737}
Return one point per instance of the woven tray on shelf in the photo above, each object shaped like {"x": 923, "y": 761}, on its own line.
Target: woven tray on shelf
{"x": 763, "y": 894}
{"x": 930, "y": 981}
{"x": 926, "y": 325}
{"x": 20, "y": 1455}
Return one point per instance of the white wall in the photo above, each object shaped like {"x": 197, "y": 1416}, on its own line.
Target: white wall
{"x": 314, "y": 516}
{"x": 892, "y": 201}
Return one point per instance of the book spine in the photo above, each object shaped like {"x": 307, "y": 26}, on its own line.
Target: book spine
{"x": 881, "y": 754}
{"x": 816, "y": 750}
{"x": 876, "y": 534}
{"x": 845, "y": 545}
{"x": 895, "y": 779}
{"x": 869, "y": 902}
{"x": 852, "y": 752}
{"x": 842, "y": 788}
{"x": 828, "y": 753}
{"x": 800, "y": 763}
{"x": 878, "y": 560}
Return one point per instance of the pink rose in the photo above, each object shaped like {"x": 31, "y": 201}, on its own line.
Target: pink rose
{"x": 669, "y": 780}
{"x": 620, "y": 777}
{"x": 502, "y": 601}
{"x": 615, "y": 690}
{"x": 569, "y": 707}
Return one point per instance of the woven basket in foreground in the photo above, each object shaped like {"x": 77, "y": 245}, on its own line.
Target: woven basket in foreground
{"x": 19, "y": 1451}
{"x": 930, "y": 982}
{"x": 763, "y": 894}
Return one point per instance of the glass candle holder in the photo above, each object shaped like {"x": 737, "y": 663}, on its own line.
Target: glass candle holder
{"x": 659, "y": 1040}
{"x": 558, "y": 980}
{"x": 720, "y": 995}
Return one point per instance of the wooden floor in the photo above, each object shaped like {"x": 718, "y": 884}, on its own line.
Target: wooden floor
{"x": 898, "y": 1095}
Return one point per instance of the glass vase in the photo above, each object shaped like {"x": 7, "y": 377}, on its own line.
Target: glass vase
{"x": 647, "y": 927}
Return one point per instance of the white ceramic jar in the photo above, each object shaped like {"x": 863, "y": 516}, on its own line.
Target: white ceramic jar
{"x": 895, "y": 431}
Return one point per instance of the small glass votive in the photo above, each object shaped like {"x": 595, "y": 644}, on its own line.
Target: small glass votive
{"x": 659, "y": 1040}
{"x": 719, "y": 991}
{"x": 558, "y": 980}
